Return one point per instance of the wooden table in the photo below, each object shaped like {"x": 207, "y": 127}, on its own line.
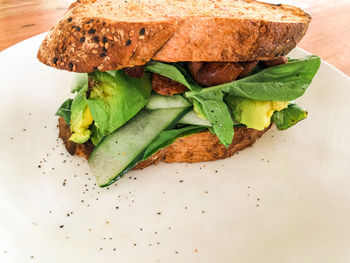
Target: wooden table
{"x": 328, "y": 35}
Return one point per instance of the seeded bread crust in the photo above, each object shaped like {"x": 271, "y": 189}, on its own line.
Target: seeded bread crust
{"x": 113, "y": 34}
{"x": 199, "y": 147}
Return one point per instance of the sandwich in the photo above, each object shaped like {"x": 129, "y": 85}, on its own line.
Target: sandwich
{"x": 175, "y": 80}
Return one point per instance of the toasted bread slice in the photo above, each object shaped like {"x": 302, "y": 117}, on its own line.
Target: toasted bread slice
{"x": 199, "y": 147}
{"x": 113, "y": 34}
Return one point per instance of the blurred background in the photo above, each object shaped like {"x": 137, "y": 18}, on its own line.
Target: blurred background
{"x": 328, "y": 35}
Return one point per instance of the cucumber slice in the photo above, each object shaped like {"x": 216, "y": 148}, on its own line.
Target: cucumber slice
{"x": 157, "y": 101}
{"x": 193, "y": 119}
{"x": 124, "y": 148}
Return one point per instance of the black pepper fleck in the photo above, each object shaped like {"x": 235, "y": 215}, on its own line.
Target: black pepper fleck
{"x": 61, "y": 226}
{"x": 92, "y": 31}
{"x": 128, "y": 43}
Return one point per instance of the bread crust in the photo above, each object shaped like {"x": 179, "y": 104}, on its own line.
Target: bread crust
{"x": 91, "y": 36}
{"x": 199, "y": 147}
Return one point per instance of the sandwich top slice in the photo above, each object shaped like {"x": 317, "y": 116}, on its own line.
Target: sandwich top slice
{"x": 113, "y": 34}
{"x": 175, "y": 81}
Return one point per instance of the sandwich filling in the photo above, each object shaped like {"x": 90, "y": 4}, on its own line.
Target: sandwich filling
{"x": 159, "y": 102}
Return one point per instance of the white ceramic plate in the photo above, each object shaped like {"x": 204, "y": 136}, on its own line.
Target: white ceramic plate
{"x": 286, "y": 199}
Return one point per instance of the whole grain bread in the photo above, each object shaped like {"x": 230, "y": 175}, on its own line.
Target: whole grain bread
{"x": 199, "y": 147}
{"x": 113, "y": 34}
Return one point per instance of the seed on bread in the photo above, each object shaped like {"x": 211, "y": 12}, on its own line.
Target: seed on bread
{"x": 92, "y": 31}
{"x": 77, "y": 28}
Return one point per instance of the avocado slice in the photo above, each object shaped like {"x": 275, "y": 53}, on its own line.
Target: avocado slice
{"x": 115, "y": 99}
{"x": 254, "y": 114}
{"x": 81, "y": 118}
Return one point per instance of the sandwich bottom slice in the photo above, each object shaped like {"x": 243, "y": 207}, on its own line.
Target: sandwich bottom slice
{"x": 200, "y": 147}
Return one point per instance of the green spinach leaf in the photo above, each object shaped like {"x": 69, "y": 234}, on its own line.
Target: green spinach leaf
{"x": 281, "y": 83}
{"x": 173, "y": 71}
{"x": 96, "y": 136}
{"x": 65, "y": 110}
{"x": 214, "y": 109}
{"x": 78, "y": 82}
{"x": 288, "y": 117}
